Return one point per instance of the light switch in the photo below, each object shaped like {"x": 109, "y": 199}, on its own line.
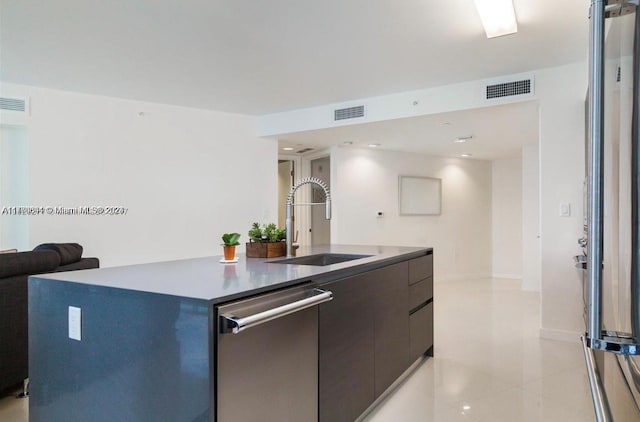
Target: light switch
{"x": 565, "y": 210}
{"x": 75, "y": 323}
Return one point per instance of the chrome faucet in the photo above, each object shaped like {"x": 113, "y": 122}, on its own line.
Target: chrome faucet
{"x": 289, "y": 209}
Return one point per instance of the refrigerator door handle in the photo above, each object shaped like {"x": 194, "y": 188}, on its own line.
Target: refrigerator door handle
{"x": 620, "y": 343}
{"x": 595, "y": 169}
{"x": 600, "y": 401}
{"x": 634, "y": 280}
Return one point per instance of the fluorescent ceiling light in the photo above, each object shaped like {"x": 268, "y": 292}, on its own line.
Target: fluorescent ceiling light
{"x": 374, "y": 145}
{"x": 287, "y": 149}
{"x": 466, "y": 155}
{"x": 498, "y": 17}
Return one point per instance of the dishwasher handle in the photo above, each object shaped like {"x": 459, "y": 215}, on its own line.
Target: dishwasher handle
{"x": 233, "y": 325}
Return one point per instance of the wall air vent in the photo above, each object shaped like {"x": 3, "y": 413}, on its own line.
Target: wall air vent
{"x": 13, "y": 104}
{"x": 618, "y": 74}
{"x": 508, "y": 89}
{"x": 348, "y": 113}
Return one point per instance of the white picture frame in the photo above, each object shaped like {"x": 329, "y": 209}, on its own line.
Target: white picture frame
{"x": 419, "y": 195}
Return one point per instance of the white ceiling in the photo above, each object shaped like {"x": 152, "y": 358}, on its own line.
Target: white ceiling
{"x": 498, "y": 132}
{"x": 263, "y": 56}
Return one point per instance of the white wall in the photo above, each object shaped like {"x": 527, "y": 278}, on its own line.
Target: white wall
{"x": 560, "y": 92}
{"x": 366, "y": 181}
{"x": 531, "y": 267}
{"x": 506, "y": 217}
{"x": 186, "y": 175}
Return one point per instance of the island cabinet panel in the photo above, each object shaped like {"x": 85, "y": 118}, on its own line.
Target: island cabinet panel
{"x": 346, "y": 347}
{"x": 420, "y": 268}
{"x": 391, "y": 324}
{"x": 420, "y": 293}
{"x": 421, "y": 327}
{"x": 420, "y": 307}
{"x": 363, "y": 340}
{"x": 140, "y": 357}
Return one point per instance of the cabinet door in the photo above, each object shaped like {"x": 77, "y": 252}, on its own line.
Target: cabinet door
{"x": 421, "y": 326}
{"x": 346, "y": 347}
{"x": 391, "y": 323}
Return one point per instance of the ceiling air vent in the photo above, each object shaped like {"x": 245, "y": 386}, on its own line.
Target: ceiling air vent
{"x": 303, "y": 150}
{"x": 348, "y": 113}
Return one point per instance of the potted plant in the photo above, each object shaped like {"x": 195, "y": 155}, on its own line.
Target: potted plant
{"x": 230, "y": 241}
{"x": 266, "y": 241}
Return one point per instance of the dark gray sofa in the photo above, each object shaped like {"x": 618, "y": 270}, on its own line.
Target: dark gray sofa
{"x": 15, "y": 268}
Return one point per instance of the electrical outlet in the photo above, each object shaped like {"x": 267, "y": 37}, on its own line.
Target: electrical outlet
{"x": 75, "y": 323}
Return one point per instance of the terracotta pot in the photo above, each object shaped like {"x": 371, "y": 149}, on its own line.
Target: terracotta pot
{"x": 229, "y": 252}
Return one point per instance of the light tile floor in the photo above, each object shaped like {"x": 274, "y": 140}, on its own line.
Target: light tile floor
{"x": 490, "y": 364}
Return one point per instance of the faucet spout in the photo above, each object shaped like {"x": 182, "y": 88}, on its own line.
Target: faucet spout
{"x": 289, "y": 207}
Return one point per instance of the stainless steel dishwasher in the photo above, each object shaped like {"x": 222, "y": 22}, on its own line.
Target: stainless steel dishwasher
{"x": 267, "y": 357}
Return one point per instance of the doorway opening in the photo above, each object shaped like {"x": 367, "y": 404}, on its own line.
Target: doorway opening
{"x": 286, "y": 178}
{"x": 320, "y": 228}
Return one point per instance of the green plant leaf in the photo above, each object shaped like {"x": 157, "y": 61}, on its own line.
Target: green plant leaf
{"x": 266, "y": 233}
{"x": 255, "y": 233}
{"x": 231, "y": 239}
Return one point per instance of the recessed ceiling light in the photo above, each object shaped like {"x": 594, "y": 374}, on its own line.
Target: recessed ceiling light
{"x": 287, "y": 149}
{"x": 462, "y": 139}
{"x": 497, "y": 16}
{"x": 374, "y": 145}
{"x": 466, "y": 155}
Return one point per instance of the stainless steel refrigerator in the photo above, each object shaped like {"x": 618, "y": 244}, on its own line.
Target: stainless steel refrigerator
{"x": 612, "y": 204}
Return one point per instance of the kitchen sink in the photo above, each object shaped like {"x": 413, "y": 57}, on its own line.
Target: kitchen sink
{"x": 320, "y": 260}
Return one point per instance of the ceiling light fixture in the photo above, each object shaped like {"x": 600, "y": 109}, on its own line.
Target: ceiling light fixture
{"x": 498, "y": 17}
{"x": 462, "y": 139}
{"x": 374, "y": 145}
{"x": 466, "y": 155}
{"x": 287, "y": 149}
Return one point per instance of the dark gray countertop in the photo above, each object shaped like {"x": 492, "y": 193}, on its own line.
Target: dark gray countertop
{"x": 208, "y": 279}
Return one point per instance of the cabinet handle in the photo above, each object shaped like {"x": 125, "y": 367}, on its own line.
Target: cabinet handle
{"x": 233, "y": 325}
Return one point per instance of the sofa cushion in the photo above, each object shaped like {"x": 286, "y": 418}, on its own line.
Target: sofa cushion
{"x": 20, "y": 263}
{"x": 69, "y": 252}
{"x": 83, "y": 264}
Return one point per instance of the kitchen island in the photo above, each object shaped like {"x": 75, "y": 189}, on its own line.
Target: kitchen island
{"x": 141, "y": 343}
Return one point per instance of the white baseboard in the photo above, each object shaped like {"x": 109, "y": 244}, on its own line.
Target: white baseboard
{"x": 560, "y": 335}
{"x": 460, "y": 277}
{"x": 511, "y": 276}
